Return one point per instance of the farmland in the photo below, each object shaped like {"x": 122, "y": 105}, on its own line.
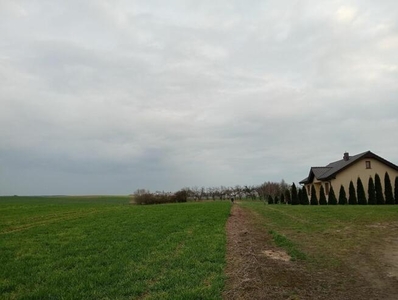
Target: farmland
{"x": 103, "y": 248}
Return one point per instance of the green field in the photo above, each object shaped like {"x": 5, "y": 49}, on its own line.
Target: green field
{"x": 103, "y": 248}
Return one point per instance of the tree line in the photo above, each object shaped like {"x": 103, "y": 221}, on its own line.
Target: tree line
{"x": 280, "y": 193}
{"x": 265, "y": 191}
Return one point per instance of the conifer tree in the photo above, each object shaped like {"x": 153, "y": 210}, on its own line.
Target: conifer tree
{"x": 314, "y": 199}
{"x": 287, "y": 197}
{"x": 322, "y": 197}
{"x": 270, "y": 200}
{"x": 352, "y": 197}
{"x": 295, "y": 199}
{"x": 276, "y": 199}
{"x": 300, "y": 195}
{"x": 361, "y": 192}
{"x": 342, "y": 196}
{"x": 388, "y": 189}
{"x": 282, "y": 198}
{"x": 379, "y": 190}
{"x": 332, "y": 197}
{"x": 304, "y": 195}
{"x": 396, "y": 190}
{"x": 371, "y": 192}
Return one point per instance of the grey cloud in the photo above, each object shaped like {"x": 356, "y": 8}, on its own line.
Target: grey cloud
{"x": 104, "y": 97}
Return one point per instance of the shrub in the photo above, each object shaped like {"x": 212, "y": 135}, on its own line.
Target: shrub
{"x": 270, "y": 200}
{"x": 147, "y": 198}
{"x": 180, "y": 196}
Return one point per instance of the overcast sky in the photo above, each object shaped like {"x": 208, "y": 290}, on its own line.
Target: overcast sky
{"x": 104, "y": 97}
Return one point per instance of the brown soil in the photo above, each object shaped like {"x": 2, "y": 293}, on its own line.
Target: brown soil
{"x": 391, "y": 257}
{"x": 256, "y": 269}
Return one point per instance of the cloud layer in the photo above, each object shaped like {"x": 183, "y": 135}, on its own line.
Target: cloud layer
{"x": 107, "y": 97}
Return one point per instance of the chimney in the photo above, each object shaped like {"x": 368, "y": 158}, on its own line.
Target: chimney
{"x": 346, "y": 156}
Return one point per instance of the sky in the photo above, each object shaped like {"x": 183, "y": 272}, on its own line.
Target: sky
{"x": 106, "y": 97}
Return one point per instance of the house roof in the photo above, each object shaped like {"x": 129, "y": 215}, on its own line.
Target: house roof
{"x": 329, "y": 171}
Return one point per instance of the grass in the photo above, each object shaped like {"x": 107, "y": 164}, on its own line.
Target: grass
{"x": 283, "y": 242}
{"x": 326, "y": 235}
{"x": 102, "y": 248}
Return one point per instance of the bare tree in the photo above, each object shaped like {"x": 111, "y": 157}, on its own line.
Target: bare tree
{"x": 238, "y": 190}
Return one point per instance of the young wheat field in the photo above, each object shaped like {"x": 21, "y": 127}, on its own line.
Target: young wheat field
{"x": 103, "y": 248}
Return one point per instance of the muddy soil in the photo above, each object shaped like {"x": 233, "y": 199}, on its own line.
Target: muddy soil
{"x": 258, "y": 270}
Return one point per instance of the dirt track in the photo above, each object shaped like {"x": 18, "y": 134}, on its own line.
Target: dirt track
{"x": 257, "y": 270}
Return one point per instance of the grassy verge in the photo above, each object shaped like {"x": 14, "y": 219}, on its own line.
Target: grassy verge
{"x": 75, "y": 249}
{"x": 326, "y": 235}
{"x": 283, "y": 242}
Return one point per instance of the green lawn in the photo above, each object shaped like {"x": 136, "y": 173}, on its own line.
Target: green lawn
{"x": 326, "y": 235}
{"x": 103, "y": 248}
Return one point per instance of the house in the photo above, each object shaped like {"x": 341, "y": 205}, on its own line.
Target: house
{"x": 341, "y": 172}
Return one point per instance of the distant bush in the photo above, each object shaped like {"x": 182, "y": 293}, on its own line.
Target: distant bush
{"x": 147, "y": 198}
{"x": 181, "y": 196}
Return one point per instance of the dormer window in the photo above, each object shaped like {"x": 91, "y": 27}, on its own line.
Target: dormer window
{"x": 368, "y": 166}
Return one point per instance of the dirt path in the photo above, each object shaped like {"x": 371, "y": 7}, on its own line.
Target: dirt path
{"x": 258, "y": 270}
{"x": 391, "y": 258}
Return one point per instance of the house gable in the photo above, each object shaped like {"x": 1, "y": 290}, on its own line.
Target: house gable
{"x": 331, "y": 170}
{"x": 315, "y": 174}
{"x": 339, "y": 173}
